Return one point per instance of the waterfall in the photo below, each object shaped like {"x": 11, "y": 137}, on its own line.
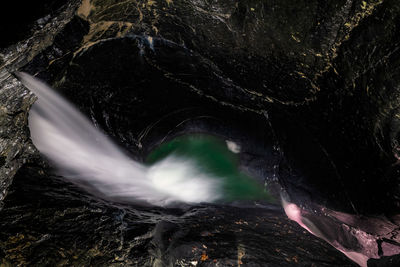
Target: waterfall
{"x": 85, "y": 155}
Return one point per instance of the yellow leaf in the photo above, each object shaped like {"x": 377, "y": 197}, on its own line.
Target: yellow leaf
{"x": 204, "y": 256}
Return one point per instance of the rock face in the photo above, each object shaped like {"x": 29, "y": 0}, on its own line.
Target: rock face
{"x": 15, "y": 145}
{"x": 354, "y": 118}
{"x": 313, "y": 85}
{"x": 55, "y": 223}
{"x": 323, "y": 75}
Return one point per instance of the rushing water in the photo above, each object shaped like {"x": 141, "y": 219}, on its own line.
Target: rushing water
{"x": 214, "y": 157}
{"x": 204, "y": 171}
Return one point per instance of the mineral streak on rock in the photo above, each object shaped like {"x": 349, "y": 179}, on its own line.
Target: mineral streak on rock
{"x": 295, "y": 42}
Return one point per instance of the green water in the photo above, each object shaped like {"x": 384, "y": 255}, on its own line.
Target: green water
{"x": 213, "y": 158}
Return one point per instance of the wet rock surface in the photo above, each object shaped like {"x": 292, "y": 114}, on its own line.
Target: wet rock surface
{"x": 52, "y": 222}
{"x": 354, "y": 118}
{"x": 306, "y": 72}
{"x": 15, "y": 145}
{"x": 311, "y": 86}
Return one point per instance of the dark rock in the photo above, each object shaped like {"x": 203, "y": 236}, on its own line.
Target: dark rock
{"x": 52, "y": 222}
{"x": 19, "y": 19}
{"x": 354, "y": 118}
{"x": 15, "y": 145}
{"x": 385, "y": 262}
{"x": 311, "y": 88}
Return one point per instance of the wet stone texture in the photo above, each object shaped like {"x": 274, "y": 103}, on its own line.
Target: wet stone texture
{"x": 311, "y": 86}
{"x": 324, "y": 72}
{"x": 15, "y": 145}
{"x": 355, "y": 118}
{"x": 55, "y": 224}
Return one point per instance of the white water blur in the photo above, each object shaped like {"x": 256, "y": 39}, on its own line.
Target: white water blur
{"x": 84, "y": 154}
